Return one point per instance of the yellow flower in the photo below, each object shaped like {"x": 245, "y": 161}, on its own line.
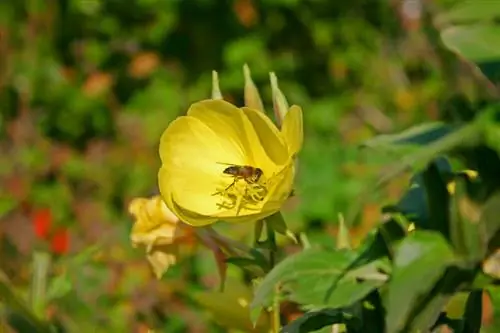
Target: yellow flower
{"x": 159, "y": 230}
{"x": 197, "y": 149}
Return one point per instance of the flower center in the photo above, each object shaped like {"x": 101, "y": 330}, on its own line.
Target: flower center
{"x": 242, "y": 193}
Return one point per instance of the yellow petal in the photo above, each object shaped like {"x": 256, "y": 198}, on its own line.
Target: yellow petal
{"x": 155, "y": 224}
{"x": 234, "y": 126}
{"x": 164, "y": 234}
{"x": 269, "y": 136}
{"x": 190, "y": 152}
{"x": 161, "y": 258}
{"x": 292, "y": 129}
{"x": 280, "y": 188}
{"x": 185, "y": 215}
{"x": 194, "y": 135}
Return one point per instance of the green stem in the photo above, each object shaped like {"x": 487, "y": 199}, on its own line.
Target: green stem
{"x": 229, "y": 245}
{"x": 271, "y": 238}
{"x": 41, "y": 263}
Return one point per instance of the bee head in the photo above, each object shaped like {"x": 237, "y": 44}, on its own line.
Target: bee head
{"x": 232, "y": 170}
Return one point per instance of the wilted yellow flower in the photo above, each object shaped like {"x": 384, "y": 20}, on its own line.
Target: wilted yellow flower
{"x": 196, "y": 151}
{"x": 159, "y": 230}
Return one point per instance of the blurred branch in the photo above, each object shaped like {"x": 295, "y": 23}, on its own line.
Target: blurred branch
{"x": 374, "y": 118}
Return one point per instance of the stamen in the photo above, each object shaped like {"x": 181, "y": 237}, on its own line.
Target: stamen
{"x": 242, "y": 195}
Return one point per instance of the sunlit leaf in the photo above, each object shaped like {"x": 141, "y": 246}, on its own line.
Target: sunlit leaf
{"x": 467, "y": 11}
{"x": 477, "y": 43}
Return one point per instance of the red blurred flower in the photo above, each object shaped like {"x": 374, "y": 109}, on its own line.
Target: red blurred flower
{"x": 42, "y": 220}
{"x": 42, "y": 225}
{"x": 60, "y": 241}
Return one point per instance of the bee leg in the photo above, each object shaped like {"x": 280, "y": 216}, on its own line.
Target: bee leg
{"x": 227, "y": 188}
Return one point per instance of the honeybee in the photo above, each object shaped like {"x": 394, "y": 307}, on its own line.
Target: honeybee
{"x": 248, "y": 173}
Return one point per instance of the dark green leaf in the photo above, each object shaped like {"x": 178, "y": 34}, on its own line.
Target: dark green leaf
{"x": 415, "y": 136}
{"x": 473, "y": 312}
{"x": 414, "y": 205}
{"x": 455, "y": 324}
{"x": 491, "y": 69}
{"x": 316, "y": 320}
{"x": 372, "y": 314}
{"x": 437, "y": 200}
{"x": 420, "y": 260}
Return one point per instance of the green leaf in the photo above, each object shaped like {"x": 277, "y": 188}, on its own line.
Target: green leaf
{"x": 376, "y": 246}
{"x": 59, "y": 287}
{"x": 444, "y": 296}
{"x": 417, "y": 135}
{"x": 420, "y": 260}
{"x": 306, "y": 276}
{"x": 478, "y": 43}
{"x": 427, "y": 313}
{"x": 470, "y": 11}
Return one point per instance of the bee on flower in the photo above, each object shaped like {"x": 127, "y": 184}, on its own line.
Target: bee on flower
{"x": 221, "y": 162}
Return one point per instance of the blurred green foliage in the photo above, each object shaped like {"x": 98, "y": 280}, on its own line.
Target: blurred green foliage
{"x": 88, "y": 86}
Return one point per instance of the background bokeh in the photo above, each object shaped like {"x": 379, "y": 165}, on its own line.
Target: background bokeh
{"x": 88, "y": 86}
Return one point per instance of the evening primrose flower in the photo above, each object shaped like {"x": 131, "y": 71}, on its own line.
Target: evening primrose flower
{"x": 221, "y": 162}
{"x": 159, "y": 230}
